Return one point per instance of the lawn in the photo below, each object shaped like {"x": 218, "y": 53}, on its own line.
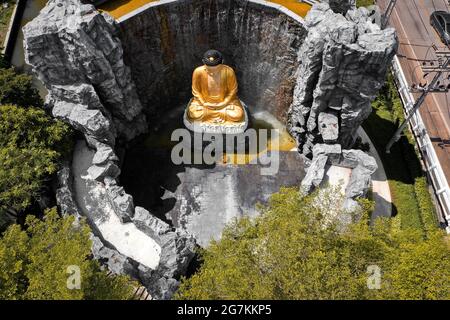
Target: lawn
{"x": 411, "y": 200}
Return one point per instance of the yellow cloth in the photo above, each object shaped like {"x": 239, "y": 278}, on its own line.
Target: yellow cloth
{"x": 224, "y": 91}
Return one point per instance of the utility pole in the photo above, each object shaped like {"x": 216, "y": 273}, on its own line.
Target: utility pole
{"x": 429, "y": 88}
{"x": 387, "y": 14}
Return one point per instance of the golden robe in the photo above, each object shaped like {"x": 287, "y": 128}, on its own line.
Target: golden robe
{"x": 219, "y": 88}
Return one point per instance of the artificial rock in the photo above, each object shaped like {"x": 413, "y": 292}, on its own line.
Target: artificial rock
{"x": 344, "y": 60}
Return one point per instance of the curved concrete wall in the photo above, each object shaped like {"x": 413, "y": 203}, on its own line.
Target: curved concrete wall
{"x": 164, "y": 42}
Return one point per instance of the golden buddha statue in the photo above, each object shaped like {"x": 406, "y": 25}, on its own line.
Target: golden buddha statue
{"x": 214, "y": 87}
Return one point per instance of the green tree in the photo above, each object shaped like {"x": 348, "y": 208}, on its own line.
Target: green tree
{"x": 17, "y": 88}
{"x": 34, "y": 263}
{"x": 420, "y": 268}
{"x": 31, "y": 143}
{"x": 296, "y": 250}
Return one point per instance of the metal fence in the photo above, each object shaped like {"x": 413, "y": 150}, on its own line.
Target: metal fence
{"x": 430, "y": 159}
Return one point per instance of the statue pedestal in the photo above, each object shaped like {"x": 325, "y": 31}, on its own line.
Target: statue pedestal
{"x": 202, "y": 127}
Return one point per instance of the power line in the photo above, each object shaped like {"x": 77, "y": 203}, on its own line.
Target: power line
{"x": 421, "y": 19}
{"x": 429, "y": 88}
{"x": 415, "y": 44}
{"x": 415, "y": 59}
{"x": 434, "y": 6}
{"x": 387, "y": 13}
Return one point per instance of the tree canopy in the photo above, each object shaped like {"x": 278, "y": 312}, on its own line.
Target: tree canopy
{"x": 17, "y": 88}
{"x": 295, "y": 251}
{"x": 31, "y": 143}
{"x": 37, "y": 263}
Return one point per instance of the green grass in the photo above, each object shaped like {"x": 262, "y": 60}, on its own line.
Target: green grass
{"x": 411, "y": 199}
{"x": 5, "y": 17}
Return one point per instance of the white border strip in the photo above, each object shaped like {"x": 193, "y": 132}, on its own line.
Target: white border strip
{"x": 263, "y": 3}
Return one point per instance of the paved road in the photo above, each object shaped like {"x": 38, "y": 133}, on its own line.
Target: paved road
{"x": 411, "y": 18}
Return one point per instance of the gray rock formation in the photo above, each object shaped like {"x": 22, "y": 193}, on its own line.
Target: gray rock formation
{"x": 176, "y": 245}
{"x": 352, "y": 158}
{"x": 315, "y": 174}
{"x": 328, "y": 126}
{"x": 115, "y": 261}
{"x": 80, "y": 106}
{"x": 344, "y": 61}
{"x": 75, "y": 51}
{"x": 64, "y": 192}
{"x": 323, "y": 154}
{"x": 362, "y": 165}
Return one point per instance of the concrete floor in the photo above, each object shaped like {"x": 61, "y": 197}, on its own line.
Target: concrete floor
{"x": 381, "y": 192}
{"x": 208, "y": 199}
{"x": 202, "y": 198}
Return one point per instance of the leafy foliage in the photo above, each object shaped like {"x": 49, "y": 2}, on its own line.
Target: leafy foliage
{"x": 290, "y": 253}
{"x": 426, "y": 205}
{"x": 364, "y": 3}
{"x": 17, "y": 88}
{"x": 33, "y": 263}
{"x": 30, "y": 145}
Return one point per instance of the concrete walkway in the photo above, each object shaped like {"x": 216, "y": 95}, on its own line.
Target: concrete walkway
{"x": 380, "y": 187}
{"x": 92, "y": 201}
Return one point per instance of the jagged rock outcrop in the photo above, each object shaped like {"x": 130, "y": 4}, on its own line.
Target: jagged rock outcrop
{"x": 116, "y": 262}
{"x": 344, "y": 61}
{"x": 76, "y": 53}
{"x": 362, "y": 165}
{"x": 328, "y": 126}
{"x": 323, "y": 154}
{"x": 64, "y": 192}
{"x": 177, "y": 250}
{"x": 177, "y": 247}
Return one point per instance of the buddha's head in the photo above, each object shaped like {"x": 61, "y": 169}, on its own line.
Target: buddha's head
{"x": 212, "y": 59}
